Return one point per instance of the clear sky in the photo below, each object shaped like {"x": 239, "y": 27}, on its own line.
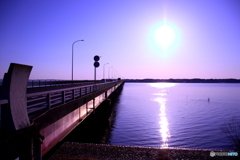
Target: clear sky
{"x": 202, "y": 39}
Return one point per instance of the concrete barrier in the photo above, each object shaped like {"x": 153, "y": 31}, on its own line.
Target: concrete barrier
{"x": 14, "y": 90}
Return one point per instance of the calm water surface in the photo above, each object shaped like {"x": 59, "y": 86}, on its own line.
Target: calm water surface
{"x": 187, "y": 115}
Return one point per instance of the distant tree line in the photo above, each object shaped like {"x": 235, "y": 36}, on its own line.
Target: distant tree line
{"x": 194, "y": 80}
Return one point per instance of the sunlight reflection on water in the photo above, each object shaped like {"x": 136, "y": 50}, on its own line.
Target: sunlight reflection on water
{"x": 164, "y": 130}
{"x": 162, "y": 85}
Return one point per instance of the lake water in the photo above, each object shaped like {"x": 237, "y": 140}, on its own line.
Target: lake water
{"x": 186, "y": 115}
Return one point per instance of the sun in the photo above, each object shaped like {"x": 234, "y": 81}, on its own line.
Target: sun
{"x": 165, "y": 35}
{"x": 164, "y": 38}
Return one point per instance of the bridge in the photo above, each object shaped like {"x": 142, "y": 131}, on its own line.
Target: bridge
{"x": 36, "y": 115}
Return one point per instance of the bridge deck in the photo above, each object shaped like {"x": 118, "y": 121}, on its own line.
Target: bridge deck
{"x": 40, "y": 100}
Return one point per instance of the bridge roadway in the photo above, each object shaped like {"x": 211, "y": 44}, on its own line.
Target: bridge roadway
{"x": 33, "y": 121}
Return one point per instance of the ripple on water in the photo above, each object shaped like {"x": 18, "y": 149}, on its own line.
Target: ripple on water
{"x": 189, "y": 118}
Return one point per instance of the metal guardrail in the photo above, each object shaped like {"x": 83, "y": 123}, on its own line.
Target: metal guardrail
{"x": 48, "y": 83}
{"x": 46, "y": 100}
{"x": 3, "y": 101}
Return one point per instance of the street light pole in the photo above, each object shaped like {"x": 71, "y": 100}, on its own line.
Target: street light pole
{"x": 109, "y": 72}
{"x": 72, "y": 55}
{"x": 117, "y": 74}
{"x": 104, "y": 72}
{"x": 113, "y": 73}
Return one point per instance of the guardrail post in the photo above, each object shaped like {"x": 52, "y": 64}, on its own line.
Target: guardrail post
{"x": 80, "y": 92}
{"x": 63, "y": 97}
{"x": 73, "y": 93}
{"x": 48, "y": 101}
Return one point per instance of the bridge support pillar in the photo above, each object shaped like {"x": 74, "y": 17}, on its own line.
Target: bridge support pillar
{"x": 105, "y": 94}
{"x": 94, "y": 105}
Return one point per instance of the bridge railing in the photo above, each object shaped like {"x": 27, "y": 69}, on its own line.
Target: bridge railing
{"x": 45, "y": 100}
{"x": 49, "y": 83}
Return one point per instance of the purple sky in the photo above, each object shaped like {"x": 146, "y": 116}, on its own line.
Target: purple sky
{"x": 41, "y": 32}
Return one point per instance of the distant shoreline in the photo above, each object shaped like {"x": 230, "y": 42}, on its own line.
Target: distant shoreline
{"x": 195, "y": 80}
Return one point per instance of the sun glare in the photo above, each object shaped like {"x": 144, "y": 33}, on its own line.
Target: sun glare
{"x": 164, "y": 35}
